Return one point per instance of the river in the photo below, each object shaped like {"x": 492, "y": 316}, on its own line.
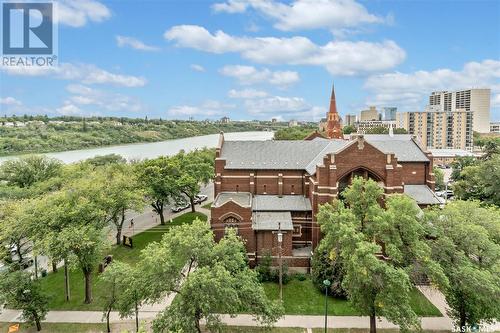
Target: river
{"x": 154, "y": 149}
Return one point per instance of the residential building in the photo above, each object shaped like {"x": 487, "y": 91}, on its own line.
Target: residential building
{"x": 389, "y": 113}
{"x": 350, "y": 120}
{"x": 322, "y": 125}
{"x": 364, "y": 126}
{"x": 293, "y": 123}
{"x": 447, "y": 156}
{"x": 225, "y": 120}
{"x": 495, "y": 127}
{"x": 370, "y": 114}
{"x": 475, "y": 100}
{"x": 439, "y": 129}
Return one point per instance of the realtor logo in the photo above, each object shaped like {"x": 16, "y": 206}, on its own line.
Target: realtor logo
{"x": 28, "y": 29}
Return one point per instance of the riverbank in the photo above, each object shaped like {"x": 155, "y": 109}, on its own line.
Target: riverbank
{"x": 153, "y": 149}
{"x": 58, "y": 136}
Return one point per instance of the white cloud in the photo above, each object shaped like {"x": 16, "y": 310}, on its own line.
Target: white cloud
{"x": 85, "y": 73}
{"x": 69, "y": 109}
{"x": 197, "y": 68}
{"x": 105, "y": 101}
{"x": 208, "y": 108}
{"x": 410, "y": 90}
{"x": 123, "y": 41}
{"x": 9, "y": 101}
{"x": 246, "y": 93}
{"x": 250, "y": 75}
{"x": 284, "y": 108}
{"x": 78, "y": 13}
{"x": 338, "y": 57}
{"x": 306, "y": 14}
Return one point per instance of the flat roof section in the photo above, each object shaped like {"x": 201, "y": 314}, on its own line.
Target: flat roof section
{"x": 243, "y": 199}
{"x": 296, "y": 203}
{"x": 272, "y": 221}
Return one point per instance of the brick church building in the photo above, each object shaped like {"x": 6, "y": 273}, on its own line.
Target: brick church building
{"x": 263, "y": 186}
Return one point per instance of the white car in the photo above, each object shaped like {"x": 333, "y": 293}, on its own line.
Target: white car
{"x": 200, "y": 198}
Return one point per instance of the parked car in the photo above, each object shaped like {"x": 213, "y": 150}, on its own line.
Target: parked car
{"x": 180, "y": 206}
{"x": 200, "y": 198}
{"x": 445, "y": 194}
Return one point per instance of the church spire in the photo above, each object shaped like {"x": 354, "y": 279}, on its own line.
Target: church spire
{"x": 333, "y": 129}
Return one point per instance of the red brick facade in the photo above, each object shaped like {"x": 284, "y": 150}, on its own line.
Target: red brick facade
{"x": 332, "y": 174}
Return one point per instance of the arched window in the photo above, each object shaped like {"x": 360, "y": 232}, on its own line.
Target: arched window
{"x": 231, "y": 222}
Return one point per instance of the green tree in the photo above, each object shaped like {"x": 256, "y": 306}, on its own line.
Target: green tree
{"x": 467, "y": 246}
{"x": 114, "y": 283}
{"x": 21, "y": 292}
{"x": 480, "y": 182}
{"x": 106, "y": 159}
{"x": 382, "y": 251}
{"x": 400, "y": 130}
{"x": 377, "y": 130}
{"x": 439, "y": 178}
{"x": 70, "y": 224}
{"x": 327, "y": 266}
{"x": 117, "y": 190}
{"x": 25, "y": 171}
{"x": 221, "y": 283}
{"x": 14, "y": 231}
{"x": 158, "y": 178}
{"x": 193, "y": 169}
{"x": 348, "y": 129}
{"x": 459, "y": 164}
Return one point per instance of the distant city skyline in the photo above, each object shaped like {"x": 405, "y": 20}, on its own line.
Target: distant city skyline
{"x": 258, "y": 59}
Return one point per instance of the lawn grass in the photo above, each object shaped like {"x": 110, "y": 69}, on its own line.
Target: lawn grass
{"x": 58, "y": 328}
{"x": 367, "y": 330}
{"x": 303, "y": 298}
{"x": 53, "y": 283}
{"x": 207, "y": 205}
{"x": 248, "y": 329}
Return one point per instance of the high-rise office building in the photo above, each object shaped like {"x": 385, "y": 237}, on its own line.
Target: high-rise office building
{"x": 389, "y": 113}
{"x": 350, "y": 120}
{"x": 370, "y": 114}
{"x": 475, "y": 100}
{"x": 439, "y": 129}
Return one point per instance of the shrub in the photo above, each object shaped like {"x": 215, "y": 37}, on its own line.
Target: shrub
{"x": 268, "y": 274}
{"x": 324, "y": 268}
{"x": 301, "y": 276}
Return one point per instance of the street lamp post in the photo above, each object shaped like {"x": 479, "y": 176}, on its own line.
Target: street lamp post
{"x": 327, "y": 284}
{"x": 280, "y": 240}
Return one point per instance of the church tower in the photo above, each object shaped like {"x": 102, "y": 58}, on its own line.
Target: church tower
{"x": 333, "y": 128}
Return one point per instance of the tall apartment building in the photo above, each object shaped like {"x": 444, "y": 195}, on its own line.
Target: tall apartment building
{"x": 350, "y": 120}
{"x": 370, "y": 114}
{"x": 389, "y": 113}
{"x": 364, "y": 126}
{"x": 439, "y": 130}
{"x": 475, "y": 100}
{"x": 495, "y": 127}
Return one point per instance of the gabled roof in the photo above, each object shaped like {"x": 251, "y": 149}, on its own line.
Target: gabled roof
{"x": 305, "y": 155}
{"x": 283, "y": 203}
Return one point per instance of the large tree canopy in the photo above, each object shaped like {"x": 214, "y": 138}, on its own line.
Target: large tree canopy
{"x": 466, "y": 244}
{"x": 382, "y": 251}
{"x": 208, "y": 278}
{"x": 26, "y": 171}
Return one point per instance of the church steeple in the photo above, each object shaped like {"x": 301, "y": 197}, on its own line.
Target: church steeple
{"x": 333, "y": 129}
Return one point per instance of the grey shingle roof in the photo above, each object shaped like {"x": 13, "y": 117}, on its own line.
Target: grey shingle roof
{"x": 241, "y": 198}
{"x": 305, "y": 155}
{"x": 284, "y": 203}
{"x": 271, "y": 221}
{"x": 422, "y": 194}
{"x": 402, "y": 145}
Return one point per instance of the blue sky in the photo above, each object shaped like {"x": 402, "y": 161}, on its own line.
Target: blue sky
{"x": 250, "y": 59}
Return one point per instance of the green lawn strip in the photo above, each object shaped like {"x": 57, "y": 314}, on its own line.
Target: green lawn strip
{"x": 58, "y": 328}
{"x": 53, "y": 283}
{"x": 248, "y": 329}
{"x": 302, "y": 298}
{"x": 367, "y": 330}
{"x": 207, "y": 205}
